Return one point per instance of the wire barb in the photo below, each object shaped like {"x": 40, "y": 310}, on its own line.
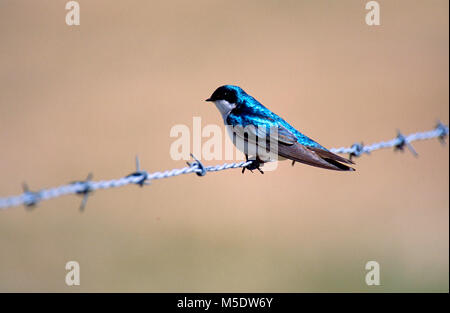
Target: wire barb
{"x": 198, "y": 167}
{"x": 402, "y": 142}
{"x": 143, "y": 175}
{"x": 443, "y": 132}
{"x": 140, "y": 177}
{"x": 85, "y": 190}
{"x": 357, "y": 150}
{"x": 30, "y": 198}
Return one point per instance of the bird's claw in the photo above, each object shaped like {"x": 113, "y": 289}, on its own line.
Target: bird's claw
{"x": 255, "y": 165}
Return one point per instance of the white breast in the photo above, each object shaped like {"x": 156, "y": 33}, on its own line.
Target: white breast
{"x": 224, "y": 108}
{"x": 236, "y": 135}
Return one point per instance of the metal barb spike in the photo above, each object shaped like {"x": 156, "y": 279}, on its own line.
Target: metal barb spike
{"x": 140, "y": 173}
{"x": 200, "y": 168}
{"x": 358, "y": 149}
{"x": 403, "y": 142}
{"x": 33, "y": 197}
{"x": 86, "y": 191}
{"x": 443, "y": 132}
{"x": 138, "y": 164}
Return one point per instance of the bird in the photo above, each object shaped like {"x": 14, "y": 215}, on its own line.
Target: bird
{"x": 256, "y": 128}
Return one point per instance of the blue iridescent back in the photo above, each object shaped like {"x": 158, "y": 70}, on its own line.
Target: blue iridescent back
{"x": 250, "y": 111}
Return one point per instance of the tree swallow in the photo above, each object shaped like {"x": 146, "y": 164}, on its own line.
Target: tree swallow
{"x": 246, "y": 116}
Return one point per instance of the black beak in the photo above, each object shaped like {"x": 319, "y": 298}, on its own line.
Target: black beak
{"x": 209, "y": 99}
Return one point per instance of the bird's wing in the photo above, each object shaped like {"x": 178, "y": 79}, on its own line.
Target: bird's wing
{"x": 314, "y": 157}
{"x": 325, "y": 154}
{"x": 255, "y": 134}
{"x": 289, "y": 148}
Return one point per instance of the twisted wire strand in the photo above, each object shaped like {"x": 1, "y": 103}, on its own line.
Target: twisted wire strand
{"x": 140, "y": 177}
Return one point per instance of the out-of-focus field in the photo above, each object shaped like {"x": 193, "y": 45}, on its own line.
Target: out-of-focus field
{"x": 89, "y": 98}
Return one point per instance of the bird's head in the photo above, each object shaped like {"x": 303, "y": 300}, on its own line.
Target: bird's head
{"x": 226, "y": 98}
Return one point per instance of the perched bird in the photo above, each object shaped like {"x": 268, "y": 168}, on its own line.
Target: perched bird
{"x": 255, "y": 125}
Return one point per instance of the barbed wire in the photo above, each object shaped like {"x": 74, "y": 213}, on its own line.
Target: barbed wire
{"x": 141, "y": 177}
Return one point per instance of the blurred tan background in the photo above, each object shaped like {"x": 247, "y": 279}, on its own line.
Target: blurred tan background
{"x": 91, "y": 97}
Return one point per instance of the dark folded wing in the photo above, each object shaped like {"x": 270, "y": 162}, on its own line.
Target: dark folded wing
{"x": 262, "y": 134}
{"x": 314, "y": 157}
{"x": 330, "y": 155}
{"x": 289, "y": 148}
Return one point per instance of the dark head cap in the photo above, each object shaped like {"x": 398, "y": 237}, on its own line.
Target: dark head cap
{"x": 229, "y": 93}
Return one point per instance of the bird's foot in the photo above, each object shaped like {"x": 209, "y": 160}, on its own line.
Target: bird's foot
{"x": 255, "y": 165}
